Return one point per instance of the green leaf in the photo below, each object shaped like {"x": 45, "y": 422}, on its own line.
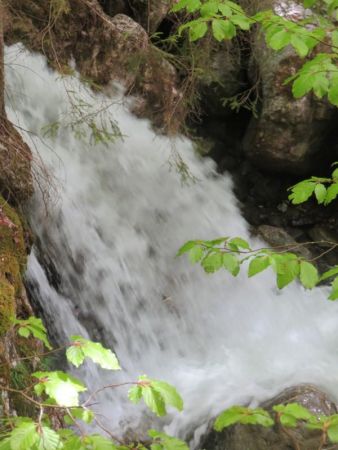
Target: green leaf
{"x": 135, "y": 394}
{"x": 334, "y": 291}
{"x": 24, "y": 332}
{"x": 104, "y": 357}
{"x": 197, "y": 30}
{"x": 239, "y": 243}
{"x": 302, "y": 191}
{"x": 60, "y": 386}
{"x": 280, "y": 39}
{"x": 75, "y": 355}
{"x": 209, "y": 9}
{"x": 332, "y": 192}
{"x": 299, "y": 45}
{"x": 24, "y": 436}
{"x": 49, "y": 440}
{"x": 223, "y": 29}
{"x": 225, "y": 9}
{"x": 309, "y": 3}
{"x": 320, "y": 193}
{"x": 308, "y": 275}
{"x": 186, "y": 247}
{"x": 242, "y": 22}
{"x": 167, "y": 442}
{"x": 302, "y": 85}
{"x": 332, "y": 433}
{"x": 34, "y": 326}
{"x": 333, "y": 94}
{"x": 196, "y": 254}
{"x": 330, "y": 273}
{"x": 100, "y": 443}
{"x": 169, "y": 394}
{"x": 240, "y": 414}
{"x": 154, "y": 401}
{"x": 230, "y": 262}
{"x": 258, "y": 264}
{"x": 5, "y": 444}
{"x": 320, "y": 85}
{"x": 212, "y": 262}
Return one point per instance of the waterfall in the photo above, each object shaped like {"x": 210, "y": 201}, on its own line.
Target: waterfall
{"x": 111, "y": 236}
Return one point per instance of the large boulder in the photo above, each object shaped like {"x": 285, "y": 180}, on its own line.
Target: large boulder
{"x": 247, "y": 437}
{"x": 288, "y": 134}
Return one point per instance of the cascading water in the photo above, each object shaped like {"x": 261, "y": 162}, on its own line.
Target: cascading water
{"x": 113, "y": 235}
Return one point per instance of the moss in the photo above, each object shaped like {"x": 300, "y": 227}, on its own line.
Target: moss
{"x": 13, "y": 258}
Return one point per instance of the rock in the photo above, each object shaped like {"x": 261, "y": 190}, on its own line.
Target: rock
{"x": 150, "y": 13}
{"x": 289, "y": 134}
{"x": 104, "y": 49}
{"x": 279, "y": 238}
{"x": 246, "y": 437}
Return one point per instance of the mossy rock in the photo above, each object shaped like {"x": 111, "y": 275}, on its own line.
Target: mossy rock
{"x": 13, "y": 259}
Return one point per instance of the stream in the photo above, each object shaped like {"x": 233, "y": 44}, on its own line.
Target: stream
{"x": 111, "y": 231}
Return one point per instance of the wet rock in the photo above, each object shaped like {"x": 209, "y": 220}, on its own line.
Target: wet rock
{"x": 245, "y": 437}
{"x": 150, "y": 13}
{"x": 289, "y": 135}
{"x": 281, "y": 240}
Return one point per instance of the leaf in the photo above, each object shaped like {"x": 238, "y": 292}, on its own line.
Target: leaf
{"x": 302, "y": 191}
{"x": 309, "y": 3}
{"x": 186, "y": 247}
{"x": 280, "y": 39}
{"x": 258, "y": 264}
{"x": 333, "y": 92}
{"x": 230, "y": 262}
{"x": 320, "y": 193}
{"x": 135, "y": 394}
{"x": 60, "y": 386}
{"x": 167, "y": 442}
{"x": 169, "y": 394}
{"x": 212, "y": 262}
{"x": 196, "y": 254}
{"x": 330, "y": 273}
{"x": 334, "y": 291}
{"x": 197, "y": 30}
{"x": 240, "y": 414}
{"x": 75, "y": 355}
{"x": 320, "y": 85}
{"x": 238, "y": 243}
{"x": 223, "y": 29}
{"x": 154, "y": 401}
{"x": 242, "y": 22}
{"x": 299, "y": 45}
{"x": 302, "y": 85}
{"x": 104, "y": 357}
{"x": 101, "y": 443}
{"x": 24, "y": 332}
{"x": 332, "y": 192}
{"x": 209, "y": 9}
{"x": 24, "y": 436}
{"x": 332, "y": 433}
{"x": 225, "y": 9}
{"x": 49, "y": 440}
{"x": 308, "y": 275}
{"x": 33, "y": 325}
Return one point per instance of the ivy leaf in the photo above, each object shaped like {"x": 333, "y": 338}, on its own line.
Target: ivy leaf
{"x": 258, "y": 264}
{"x": 308, "y": 275}
{"x": 104, "y": 357}
{"x": 59, "y": 386}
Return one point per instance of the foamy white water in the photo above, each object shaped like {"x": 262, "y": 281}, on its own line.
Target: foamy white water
{"x": 113, "y": 236}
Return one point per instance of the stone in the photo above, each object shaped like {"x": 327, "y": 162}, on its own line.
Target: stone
{"x": 247, "y": 437}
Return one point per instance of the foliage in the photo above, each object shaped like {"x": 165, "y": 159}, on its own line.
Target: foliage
{"x": 325, "y": 190}
{"x": 291, "y": 415}
{"x": 225, "y": 19}
{"x": 51, "y": 391}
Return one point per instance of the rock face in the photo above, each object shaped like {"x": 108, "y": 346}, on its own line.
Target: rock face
{"x": 241, "y": 437}
{"x": 289, "y": 134}
{"x": 104, "y": 49}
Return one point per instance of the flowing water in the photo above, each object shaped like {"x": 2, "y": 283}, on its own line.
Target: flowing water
{"x": 121, "y": 215}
